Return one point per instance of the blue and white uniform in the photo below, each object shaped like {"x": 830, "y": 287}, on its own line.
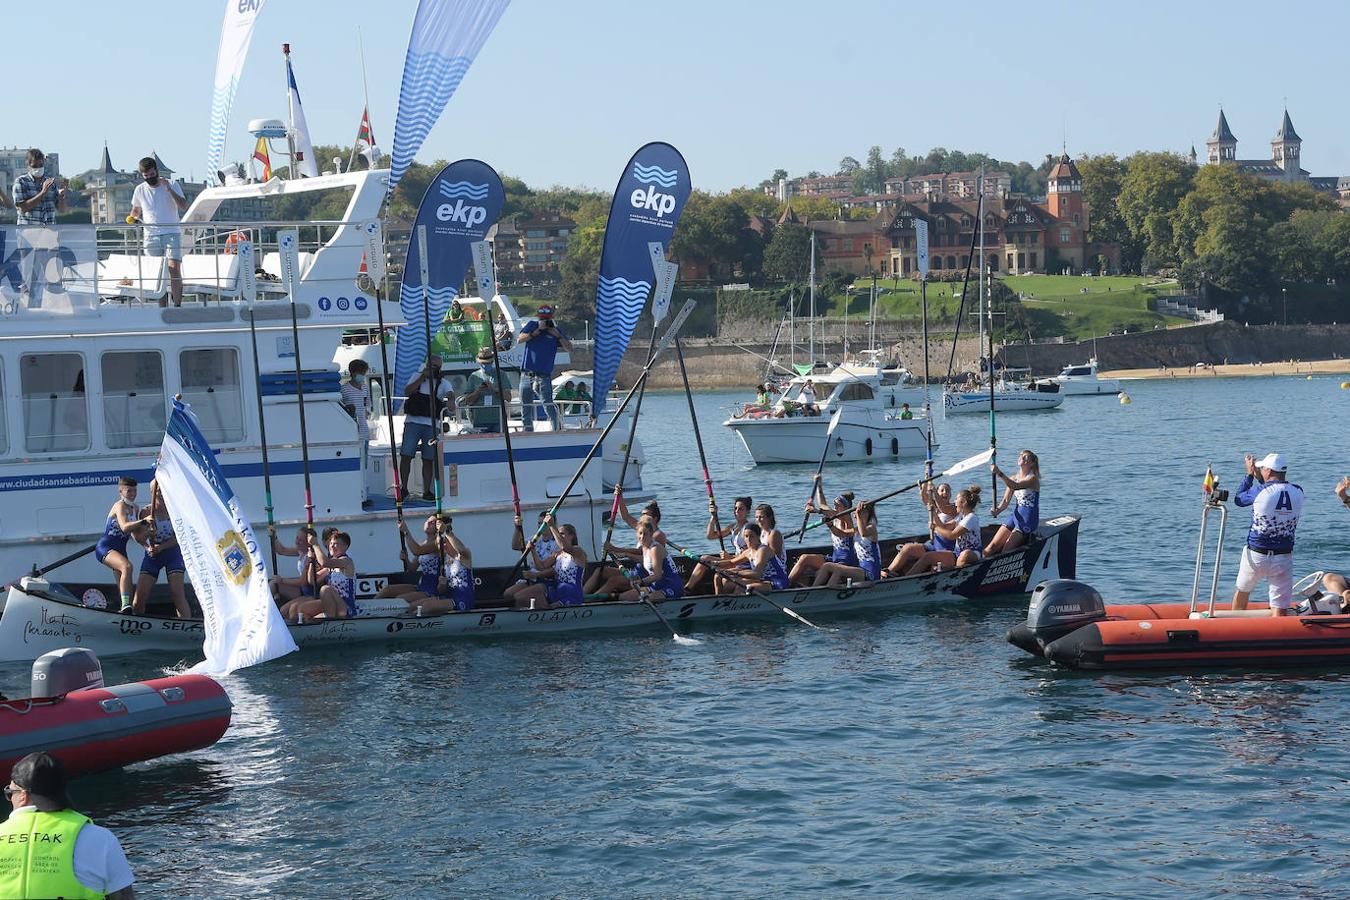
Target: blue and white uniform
{"x": 776, "y": 574}
{"x": 460, "y": 579}
{"x": 344, "y": 584}
{"x": 740, "y": 545}
{"x": 306, "y": 585}
{"x": 566, "y": 586}
{"x": 1026, "y": 514}
{"x": 869, "y": 557}
{"x": 670, "y": 584}
{"x": 970, "y": 538}
{"x": 170, "y": 559}
{"x": 545, "y": 547}
{"x": 939, "y": 542}
{"x": 766, "y": 538}
{"x": 843, "y": 551}
{"x": 428, "y": 571}
{"x": 114, "y": 538}
{"x": 1269, "y": 554}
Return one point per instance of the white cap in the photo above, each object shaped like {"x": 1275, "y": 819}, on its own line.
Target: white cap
{"x": 1274, "y": 462}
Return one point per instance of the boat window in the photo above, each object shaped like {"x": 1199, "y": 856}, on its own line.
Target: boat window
{"x": 55, "y": 417}
{"x": 327, "y": 204}
{"x": 133, "y": 398}
{"x": 1077, "y": 370}
{"x": 856, "y": 391}
{"x": 210, "y": 381}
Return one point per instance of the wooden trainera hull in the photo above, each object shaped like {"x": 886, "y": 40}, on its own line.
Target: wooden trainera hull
{"x": 37, "y": 620}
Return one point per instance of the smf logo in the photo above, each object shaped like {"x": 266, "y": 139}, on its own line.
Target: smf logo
{"x": 459, "y": 211}
{"x": 234, "y": 557}
{"x": 649, "y": 197}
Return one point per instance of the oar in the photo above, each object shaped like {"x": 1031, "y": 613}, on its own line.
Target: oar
{"x": 974, "y": 462}
{"x": 698, "y": 439}
{"x": 501, "y": 411}
{"x": 820, "y": 467}
{"x": 726, "y": 573}
{"x": 674, "y": 329}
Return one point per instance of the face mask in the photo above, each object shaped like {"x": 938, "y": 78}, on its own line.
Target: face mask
{"x": 37, "y": 171}
{"x": 487, "y": 370}
{"x": 358, "y": 380}
{"x": 152, "y": 180}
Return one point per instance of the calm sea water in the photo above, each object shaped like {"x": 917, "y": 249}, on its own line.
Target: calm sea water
{"x": 910, "y": 754}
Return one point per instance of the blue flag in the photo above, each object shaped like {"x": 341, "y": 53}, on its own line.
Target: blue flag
{"x": 459, "y": 207}
{"x": 446, "y": 37}
{"x": 647, "y": 204}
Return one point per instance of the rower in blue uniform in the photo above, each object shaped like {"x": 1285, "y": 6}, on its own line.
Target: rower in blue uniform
{"x": 939, "y": 500}
{"x": 1025, "y": 492}
{"x": 841, "y": 535}
{"x": 865, "y": 545}
{"x": 662, "y": 577}
{"x": 1276, "y": 506}
{"x": 122, "y": 525}
{"x": 766, "y": 572}
{"x": 556, "y": 580}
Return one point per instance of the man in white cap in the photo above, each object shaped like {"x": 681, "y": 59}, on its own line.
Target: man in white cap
{"x": 1276, "y": 505}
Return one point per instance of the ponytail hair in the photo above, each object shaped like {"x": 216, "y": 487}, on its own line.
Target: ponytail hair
{"x": 845, "y": 498}
{"x": 972, "y": 495}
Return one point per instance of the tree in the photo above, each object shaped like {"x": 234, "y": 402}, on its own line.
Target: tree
{"x": 581, "y": 272}
{"x": 788, "y": 254}
{"x": 1102, "y": 179}
{"x": 1153, "y": 187}
{"x": 778, "y": 175}
{"x": 874, "y": 174}
{"x": 712, "y": 230}
{"x": 848, "y": 165}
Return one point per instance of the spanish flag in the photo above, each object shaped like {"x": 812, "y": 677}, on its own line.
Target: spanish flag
{"x": 260, "y": 154}
{"x": 1210, "y": 480}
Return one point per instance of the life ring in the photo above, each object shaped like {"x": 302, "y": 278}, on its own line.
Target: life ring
{"x": 234, "y": 240}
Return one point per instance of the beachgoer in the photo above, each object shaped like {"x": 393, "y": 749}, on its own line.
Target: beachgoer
{"x": 542, "y": 337}
{"x": 47, "y": 849}
{"x": 162, "y": 554}
{"x": 159, "y": 202}
{"x": 444, "y": 579}
{"x": 963, "y": 532}
{"x": 865, "y": 545}
{"x": 662, "y": 577}
{"x": 1025, "y": 490}
{"x": 421, "y": 424}
{"x": 556, "y": 579}
{"x": 123, "y": 524}
{"x": 1276, "y": 506}
{"x": 941, "y": 498}
{"x": 841, "y": 535}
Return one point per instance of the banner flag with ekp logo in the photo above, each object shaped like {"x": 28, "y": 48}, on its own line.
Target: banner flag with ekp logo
{"x": 646, "y": 206}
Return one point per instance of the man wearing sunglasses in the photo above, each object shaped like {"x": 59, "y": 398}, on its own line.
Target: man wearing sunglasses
{"x": 48, "y": 849}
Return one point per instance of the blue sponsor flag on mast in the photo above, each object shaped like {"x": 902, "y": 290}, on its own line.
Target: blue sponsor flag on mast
{"x": 446, "y": 37}
{"x": 461, "y": 204}
{"x": 646, "y": 206}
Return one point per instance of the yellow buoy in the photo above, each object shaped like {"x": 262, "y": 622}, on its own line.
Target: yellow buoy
{"x": 1310, "y": 378}
{"x": 1125, "y": 399}
{"x": 1345, "y": 385}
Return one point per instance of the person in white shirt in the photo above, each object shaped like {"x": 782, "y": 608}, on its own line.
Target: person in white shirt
{"x": 356, "y": 400}
{"x": 158, "y": 202}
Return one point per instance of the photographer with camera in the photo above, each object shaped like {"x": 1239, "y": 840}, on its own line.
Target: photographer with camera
{"x": 541, "y": 337}
{"x": 1276, "y": 505}
{"x": 421, "y": 424}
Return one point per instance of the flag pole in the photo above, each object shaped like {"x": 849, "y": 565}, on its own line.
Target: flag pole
{"x": 290, "y": 140}
{"x": 365, "y": 90}
{"x": 247, "y": 251}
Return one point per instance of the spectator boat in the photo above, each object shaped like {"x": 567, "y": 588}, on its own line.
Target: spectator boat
{"x": 89, "y": 362}
{"x": 1083, "y": 380}
{"x": 42, "y": 615}
{"x": 1007, "y": 396}
{"x": 869, "y": 399}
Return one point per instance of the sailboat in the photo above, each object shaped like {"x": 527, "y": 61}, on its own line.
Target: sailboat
{"x": 998, "y": 392}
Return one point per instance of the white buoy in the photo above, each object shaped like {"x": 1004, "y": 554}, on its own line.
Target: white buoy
{"x": 1125, "y": 399}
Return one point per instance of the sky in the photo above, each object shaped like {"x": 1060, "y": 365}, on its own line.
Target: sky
{"x": 564, "y": 91}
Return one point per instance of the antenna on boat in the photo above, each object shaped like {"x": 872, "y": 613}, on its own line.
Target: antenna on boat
{"x": 290, "y": 167}
{"x": 365, "y": 90}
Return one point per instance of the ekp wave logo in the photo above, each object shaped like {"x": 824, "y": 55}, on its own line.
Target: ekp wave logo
{"x": 467, "y": 214}
{"x": 650, "y": 198}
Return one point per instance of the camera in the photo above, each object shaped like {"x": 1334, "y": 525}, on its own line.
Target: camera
{"x": 1218, "y": 496}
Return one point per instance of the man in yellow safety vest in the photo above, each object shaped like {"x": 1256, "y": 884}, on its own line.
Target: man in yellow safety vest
{"x": 48, "y": 849}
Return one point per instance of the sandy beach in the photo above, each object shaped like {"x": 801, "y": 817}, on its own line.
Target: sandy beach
{"x": 1246, "y": 370}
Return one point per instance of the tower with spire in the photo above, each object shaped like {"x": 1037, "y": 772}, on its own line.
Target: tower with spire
{"x": 1285, "y": 147}
{"x": 1222, "y": 145}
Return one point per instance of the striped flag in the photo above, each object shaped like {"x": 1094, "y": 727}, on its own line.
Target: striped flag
{"x": 1210, "y": 480}
{"x": 260, "y": 154}
{"x": 364, "y": 134}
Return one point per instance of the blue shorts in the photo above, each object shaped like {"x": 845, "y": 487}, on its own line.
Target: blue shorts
{"x": 848, "y": 557}
{"x": 170, "y": 560}
{"x": 1017, "y": 523}
{"x": 570, "y": 595}
{"x": 170, "y": 245}
{"x": 416, "y": 435}
{"x": 107, "y": 546}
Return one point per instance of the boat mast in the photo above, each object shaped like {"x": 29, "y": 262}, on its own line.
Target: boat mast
{"x": 290, "y": 126}
{"x": 813, "y": 300}
{"x": 980, "y": 269}
{"x": 792, "y": 329}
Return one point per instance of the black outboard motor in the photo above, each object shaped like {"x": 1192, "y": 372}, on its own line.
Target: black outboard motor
{"x": 1058, "y": 607}
{"x": 59, "y": 672}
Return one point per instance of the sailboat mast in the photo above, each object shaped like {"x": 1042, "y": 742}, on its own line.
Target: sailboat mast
{"x": 813, "y": 300}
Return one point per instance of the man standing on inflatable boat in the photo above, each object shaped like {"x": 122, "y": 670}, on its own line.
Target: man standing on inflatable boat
{"x": 1276, "y": 505}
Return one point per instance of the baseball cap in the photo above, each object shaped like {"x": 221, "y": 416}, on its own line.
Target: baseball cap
{"x": 44, "y": 778}
{"x": 1274, "y": 462}
{"x": 545, "y": 312}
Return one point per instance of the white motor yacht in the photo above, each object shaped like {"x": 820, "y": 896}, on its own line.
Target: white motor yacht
{"x": 1083, "y": 380}
{"x": 1008, "y": 396}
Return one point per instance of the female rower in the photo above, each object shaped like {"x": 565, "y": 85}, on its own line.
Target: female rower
{"x": 557, "y": 578}
{"x": 444, "y": 579}
{"x": 906, "y": 556}
{"x": 1025, "y": 489}
{"x": 611, "y": 579}
{"x": 841, "y": 535}
{"x": 301, "y": 587}
{"x": 766, "y": 571}
{"x": 337, "y": 575}
{"x": 664, "y": 579}
{"x": 545, "y": 546}
{"x": 864, "y": 544}
{"x": 741, "y": 508}
{"x": 964, "y": 534}
{"x": 162, "y": 554}
{"x": 123, "y": 524}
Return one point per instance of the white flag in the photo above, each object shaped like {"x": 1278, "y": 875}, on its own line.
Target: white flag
{"x": 229, "y": 575}
{"x": 303, "y": 164}
{"x": 236, "y": 33}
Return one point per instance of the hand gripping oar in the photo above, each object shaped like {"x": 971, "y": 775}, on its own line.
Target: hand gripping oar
{"x": 725, "y": 573}
{"x": 965, "y": 465}
{"x": 820, "y": 467}
{"x": 674, "y": 329}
